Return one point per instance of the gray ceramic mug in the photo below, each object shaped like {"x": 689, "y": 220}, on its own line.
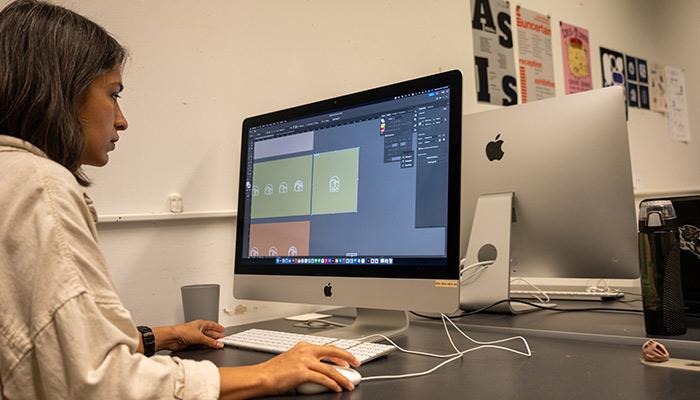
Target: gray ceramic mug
{"x": 200, "y": 302}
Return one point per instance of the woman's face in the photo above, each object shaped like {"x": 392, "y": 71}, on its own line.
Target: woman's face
{"x": 101, "y": 119}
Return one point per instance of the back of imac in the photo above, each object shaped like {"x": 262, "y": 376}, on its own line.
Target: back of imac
{"x": 566, "y": 161}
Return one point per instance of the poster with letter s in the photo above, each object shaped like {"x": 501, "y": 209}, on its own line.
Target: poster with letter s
{"x": 494, "y": 61}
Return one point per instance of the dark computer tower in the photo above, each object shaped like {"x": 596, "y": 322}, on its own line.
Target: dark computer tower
{"x": 688, "y": 211}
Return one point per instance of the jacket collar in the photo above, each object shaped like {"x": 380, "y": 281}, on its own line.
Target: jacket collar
{"x": 11, "y": 141}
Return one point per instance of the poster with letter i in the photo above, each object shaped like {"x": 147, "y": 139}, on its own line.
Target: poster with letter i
{"x": 494, "y": 60}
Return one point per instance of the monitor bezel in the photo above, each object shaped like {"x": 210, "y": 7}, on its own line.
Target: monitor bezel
{"x": 449, "y": 269}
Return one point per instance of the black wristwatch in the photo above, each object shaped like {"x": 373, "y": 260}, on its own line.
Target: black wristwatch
{"x": 148, "y": 339}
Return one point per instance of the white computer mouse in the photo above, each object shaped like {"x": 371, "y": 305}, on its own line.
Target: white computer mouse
{"x": 313, "y": 388}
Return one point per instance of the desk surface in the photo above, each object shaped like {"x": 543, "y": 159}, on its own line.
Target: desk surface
{"x": 593, "y": 363}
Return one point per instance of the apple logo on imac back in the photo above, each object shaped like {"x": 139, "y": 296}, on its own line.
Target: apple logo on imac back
{"x": 328, "y": 290}
{"x": 494, "y": 150}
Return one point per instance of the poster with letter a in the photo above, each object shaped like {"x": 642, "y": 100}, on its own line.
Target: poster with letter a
{"x": 576, "y": 52}
{"x": 535, "y": 54}
{"x": 494, "y": 64}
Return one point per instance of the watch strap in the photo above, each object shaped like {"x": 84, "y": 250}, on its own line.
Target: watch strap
{"x": 148, "y": 339}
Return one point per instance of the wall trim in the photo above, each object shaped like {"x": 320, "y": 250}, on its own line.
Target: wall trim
{"x": 120, "y": 218}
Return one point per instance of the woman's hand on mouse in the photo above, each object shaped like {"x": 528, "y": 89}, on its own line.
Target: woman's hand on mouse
{"x": 302, "y": 363}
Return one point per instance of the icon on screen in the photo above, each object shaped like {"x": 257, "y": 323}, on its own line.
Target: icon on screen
{"x": 298, "y": 186}
{"x": 334, "y": 184}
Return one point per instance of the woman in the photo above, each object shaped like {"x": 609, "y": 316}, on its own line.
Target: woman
{"x": 63, "y": 330}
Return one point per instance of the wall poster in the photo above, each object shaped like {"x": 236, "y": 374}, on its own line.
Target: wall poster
{"x": 576, "y": 53}
{"x": 535, "y": 55}
{"x": 612, "y": 64}
{"x": 657, "y": 87}
{"x": 643, "y": 78}
{"x": 677, "y": 105}
{"x": 494, "y": 61}
{"x": 613, "y": 67}
{"x": 637, "y": 82}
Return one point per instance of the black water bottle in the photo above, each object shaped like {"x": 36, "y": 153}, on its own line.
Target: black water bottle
{"x": 659, "y": 257}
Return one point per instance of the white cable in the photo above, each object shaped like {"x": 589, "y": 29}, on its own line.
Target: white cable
{"x": 482, "y": 265}
{"x": 536, "y": 288}
{"x": 488, "y": 343}
{"x": 319, "y": 324}
{"x": 463, "y": 269}
{"x": 452, "y": 357}
{"x": 598, "y": 288}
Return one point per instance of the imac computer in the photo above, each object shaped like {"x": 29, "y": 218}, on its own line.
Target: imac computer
{"x": 354, "y": 201}
{"x": 547, "y": 192}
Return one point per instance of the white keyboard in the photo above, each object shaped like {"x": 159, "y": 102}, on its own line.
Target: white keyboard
{"x": 569, "y": 295}
{"x": 279, "y": 342}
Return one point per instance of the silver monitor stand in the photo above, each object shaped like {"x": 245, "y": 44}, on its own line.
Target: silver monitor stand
{"x": 372, "y": 321}
{"x": 490, "y": 239}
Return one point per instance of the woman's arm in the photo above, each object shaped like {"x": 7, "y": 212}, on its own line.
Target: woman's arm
{"x": 177, "y": 337}
{"x": 300, "y": 364}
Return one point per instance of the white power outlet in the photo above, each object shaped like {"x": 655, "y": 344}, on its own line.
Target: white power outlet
{"x": 175, "y": 201}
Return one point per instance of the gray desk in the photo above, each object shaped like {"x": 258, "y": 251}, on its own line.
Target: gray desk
{"x": 575, "y": 356}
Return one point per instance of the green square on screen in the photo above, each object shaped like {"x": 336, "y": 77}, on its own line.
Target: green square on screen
{"x": 335, "y": 181}
{"x": 281, "y": 188}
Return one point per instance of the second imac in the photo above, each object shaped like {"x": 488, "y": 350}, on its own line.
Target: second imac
{"x": 546, "y": 192}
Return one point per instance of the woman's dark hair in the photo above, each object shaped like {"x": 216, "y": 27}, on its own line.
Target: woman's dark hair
{"x": 48, "y": 57}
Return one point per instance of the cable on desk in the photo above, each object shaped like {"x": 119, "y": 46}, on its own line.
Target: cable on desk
{"x": 464, "y": 314}
{"x": 576, "y": 309}
{"x": 540, "y": 291}
{"x": 454, "y": 356}
{"x": 482, "y": 309}
{"x": 319, "y": 324}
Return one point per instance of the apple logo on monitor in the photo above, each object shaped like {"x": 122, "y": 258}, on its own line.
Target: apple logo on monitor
{"x": 328, "y": 290}
{"x": 493, "y": 149}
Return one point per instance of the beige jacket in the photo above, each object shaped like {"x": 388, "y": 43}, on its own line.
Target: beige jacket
{"x": 64, "y": 333}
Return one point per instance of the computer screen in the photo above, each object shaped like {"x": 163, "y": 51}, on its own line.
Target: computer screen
{"x": 347, "y": 201}
{"x": 567, "y": 163}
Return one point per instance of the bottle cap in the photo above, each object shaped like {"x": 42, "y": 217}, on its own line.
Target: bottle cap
{"x": 656, "y": 214}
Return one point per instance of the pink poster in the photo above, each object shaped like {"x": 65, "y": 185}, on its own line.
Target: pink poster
{"x": 577, "y": 58}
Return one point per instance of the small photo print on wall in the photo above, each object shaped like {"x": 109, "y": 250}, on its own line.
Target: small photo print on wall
{"x": 632, "y": 95}
{"x": 644, "y": 97}
{"x": 657, "y": 89}
{"x": 631, "y": 68}
{"x": 613, "y": 67}
{"x": 642, "y": 71}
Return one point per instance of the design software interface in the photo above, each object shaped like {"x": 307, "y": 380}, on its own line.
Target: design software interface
{"x": 361, "y": 185}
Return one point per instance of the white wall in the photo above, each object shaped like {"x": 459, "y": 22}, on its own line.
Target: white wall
{"x": 198, "y": 69}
